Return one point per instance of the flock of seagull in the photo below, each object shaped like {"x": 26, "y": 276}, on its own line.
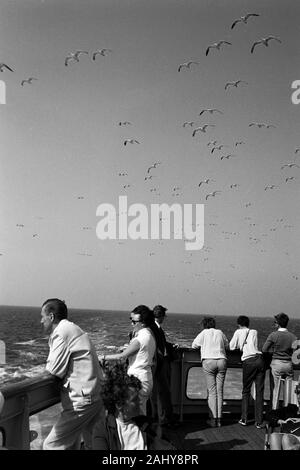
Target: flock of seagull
{"x": 217, "y": 45}
{"x": 214, "y": 145}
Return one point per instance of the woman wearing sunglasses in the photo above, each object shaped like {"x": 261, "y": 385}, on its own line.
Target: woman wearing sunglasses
{"x": 140, "y": 352}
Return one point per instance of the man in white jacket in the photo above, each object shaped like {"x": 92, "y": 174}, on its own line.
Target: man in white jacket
{"x": 73, "y": 359}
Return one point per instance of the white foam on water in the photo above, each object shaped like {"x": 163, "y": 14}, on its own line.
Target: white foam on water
{"x": 31, "y": 341}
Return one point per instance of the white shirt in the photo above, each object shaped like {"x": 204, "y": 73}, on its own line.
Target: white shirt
{"x": 130, "y": 435}
{"x": 72, "y": 358}
{"x": 250, "y": 347}
{"x": 140, "y": 363}
{"x": 212, "y": 342}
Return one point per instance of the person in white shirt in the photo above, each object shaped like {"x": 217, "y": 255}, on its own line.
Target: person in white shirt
{"x": 213, "y": 344}
{"x": 245, "y": 340}
{"x": 73, "y": 359}
{"x": 140, "y": 352}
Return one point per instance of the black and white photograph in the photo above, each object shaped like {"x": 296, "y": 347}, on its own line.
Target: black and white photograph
{"x": 149, "y": 227}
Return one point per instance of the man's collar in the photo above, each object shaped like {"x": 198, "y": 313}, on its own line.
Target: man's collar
{"x": 61, "y": 321}
{"x": 282, "y": 329}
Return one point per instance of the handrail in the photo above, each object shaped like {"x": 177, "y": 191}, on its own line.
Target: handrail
{"x": 30, "y": 396}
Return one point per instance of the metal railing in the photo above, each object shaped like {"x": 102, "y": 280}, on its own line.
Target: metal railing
{"x": 26, "y": 398}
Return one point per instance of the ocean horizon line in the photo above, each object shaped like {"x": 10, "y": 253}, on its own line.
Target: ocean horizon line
{"x": 129, "y": 310}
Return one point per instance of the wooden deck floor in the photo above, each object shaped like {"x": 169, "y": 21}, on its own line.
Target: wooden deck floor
{"x": 195, "y": 434}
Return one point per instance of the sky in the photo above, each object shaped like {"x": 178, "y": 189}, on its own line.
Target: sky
{"x": 62, "y": 152}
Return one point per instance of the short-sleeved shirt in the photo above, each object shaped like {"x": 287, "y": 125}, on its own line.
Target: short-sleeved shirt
{"x": 73, "y": 359}
{"x": 249, "y": 347}
{"x": 140, "y": 363}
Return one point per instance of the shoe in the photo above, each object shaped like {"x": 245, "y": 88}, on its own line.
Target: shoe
{"x": 218, "y": 422}
{"x": 260, "y": 426}
{"x": 243, "y": 422}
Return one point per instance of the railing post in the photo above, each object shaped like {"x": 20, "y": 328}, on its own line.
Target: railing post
{"x": 182, "y": 390}
{"x": 25, "y": 424}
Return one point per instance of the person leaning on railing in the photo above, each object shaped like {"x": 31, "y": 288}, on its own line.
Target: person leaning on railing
{"x": 140, "y": 352}
{"x": 213, "y": 344}
{"x": 160, "y": 399}
{"x": 280, "y": 344}
{"x": 73, "y": 359}
{"x": 245, "y": 339}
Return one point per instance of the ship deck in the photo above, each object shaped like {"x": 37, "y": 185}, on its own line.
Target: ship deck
{"x": 195, "y": 435}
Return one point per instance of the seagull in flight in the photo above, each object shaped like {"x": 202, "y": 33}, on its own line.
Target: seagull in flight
{"x": 211, "y": 111}
{"x": 202, "y": 129}
{"x": 261, "y": 124}
{"x": 212, "y": 142}
{"x": 290, "y": 165}
{"x": 131, "y": 141}
{"x": 205, "y": 181}
{"x": 102, "y": 52}
{"x": 217, "y": 45}
{"x": 153, "y": 166}
{"x": 289, "y": 178}
{"x": 227, "y": 156}
{"x": 188, "y": 123}
{"x": 239, "y": 143}
{"x": 235, "y": 185}
{"x": 2, "y": 65}
{"x": 264, "y": 41}
{"x": 243, "y": 19}
{"x": 236, "y": 83}
{"x": 297, "y": 150}
{"x": 219, "y": 147}
{"x": 125, "y": 123}
{"x": 74, "y": 56}
{"x": 29, "y": 80}
{"x": 187, "y": 65}
{"x": 212, "y": 194}
{"x": 272, "y": 186}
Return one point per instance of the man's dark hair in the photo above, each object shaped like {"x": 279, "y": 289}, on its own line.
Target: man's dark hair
{"x": 243, "y": 320}
{"x": 282, "y": 319}
{"x": 116, "y": 384}
{"x": 208, "y": 322}
{"x": 57, "y": 307}
{"x": 146, "y": 314}
{"x": 159, "y": 311}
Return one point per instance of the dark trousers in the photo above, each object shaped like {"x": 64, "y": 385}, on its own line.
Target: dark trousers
{"x": 161, "y": 405}
{"x": 253, "y": 371}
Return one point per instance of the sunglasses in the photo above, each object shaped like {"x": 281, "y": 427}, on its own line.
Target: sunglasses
{"x": 134, "y": 321}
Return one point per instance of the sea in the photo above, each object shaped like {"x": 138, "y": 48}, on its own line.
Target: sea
{"x": 24, "y": 346}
